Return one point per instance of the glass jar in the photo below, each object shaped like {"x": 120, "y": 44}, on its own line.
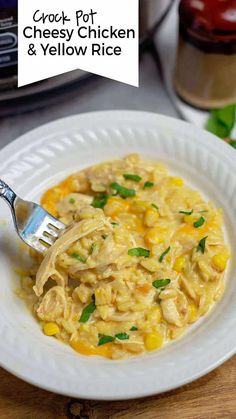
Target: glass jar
{"x": 206, "y": 59}
{"x": 8, "y": 42}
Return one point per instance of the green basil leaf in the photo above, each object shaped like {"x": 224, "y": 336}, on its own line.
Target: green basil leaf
{"x": 227, "y": 116}
{"x": 158, "y": 283}
{"x": 217, "y": 128}
{"x": 87, "y": 311}
{"x": 133, "y": 329}
{"x": 105, "y": 339}
{"x": 199, "y": 222}
{"x": 148, "y": 185}
{"x": 221, "y": 121}
{"x": 202, "y": 245}
{"x": 122, "y": 336}
{"x": 164, "y": 254}
{"x": 80, "y": 258}
{"x": 233, "y": 143}
{"x": 186, "y": 212}
{"x": 135, "y": 178}
{"x": 100, "y": 201}
{"x": 139, "y": 251}
{"x": 122, "y": 191}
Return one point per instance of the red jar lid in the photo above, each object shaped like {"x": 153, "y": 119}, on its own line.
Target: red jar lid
{"x": 209, "y": 18}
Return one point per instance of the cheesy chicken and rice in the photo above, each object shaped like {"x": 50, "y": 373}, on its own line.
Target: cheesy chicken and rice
{"x": 142, "y": 258}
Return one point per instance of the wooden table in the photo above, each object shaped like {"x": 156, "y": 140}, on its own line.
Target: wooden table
{"x": 211, "y": 397}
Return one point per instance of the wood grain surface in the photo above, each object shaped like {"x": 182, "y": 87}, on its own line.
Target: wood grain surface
{"x": 210, "y": 397}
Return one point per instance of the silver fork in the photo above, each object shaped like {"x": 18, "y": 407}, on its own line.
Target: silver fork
{"x": 35, "y": 226}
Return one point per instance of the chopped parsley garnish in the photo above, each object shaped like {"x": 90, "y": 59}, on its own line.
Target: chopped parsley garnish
{"x": 135, "y": 178}
{"x": 105, "y": 339}
{"x": 92, "y": 248}
{"x": 186, "y": 212}
{"x": 114, "y": 223}
{"x": 122, "y": 191}
{"x": 202, "y": 245}
{"x": 133, "y": 329}
{"x": 139, "y": 251}
{"x": 159, "y": 283}
{"x": 164, "y": 254}
{"x": 72, "y": 201}
{"x": 87, "y": 311}
{"x": 122, "y": 336}
{"x": 80, "y": 258}
{"x": 148, "y": 185}
{"x": 104, "y": 236}
{"x": 155, "y": 206}
{"x": 221, "y": 121}
{"x": 100, "y": 201}
{"x": 199, "y": 222}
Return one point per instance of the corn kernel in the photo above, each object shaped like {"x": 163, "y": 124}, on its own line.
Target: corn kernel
{"x": 153, "y": 341}
{"x": 51, "y": 329}
{"x": 179, "y": 264}
{"x": 152, "y": 236}
{"x": 220, "y": 261}
{"x": 151, "y": 217}
{"x": 192, "y": 313}
{"x": 177, "y": 181}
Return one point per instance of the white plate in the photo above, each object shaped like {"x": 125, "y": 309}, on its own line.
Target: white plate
{"x": 44, "y": 156}
{"x": 166, "y": 40}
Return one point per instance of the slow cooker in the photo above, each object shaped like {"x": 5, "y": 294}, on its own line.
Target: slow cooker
{"x": 8, "y": 43}
{"x": 15, "y": 100}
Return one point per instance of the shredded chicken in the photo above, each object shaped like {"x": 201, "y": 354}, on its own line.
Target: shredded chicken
{"x": 48, "y": 267}
{"x": 143, "y": 257}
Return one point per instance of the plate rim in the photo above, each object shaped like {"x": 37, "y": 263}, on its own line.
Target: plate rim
{"x": 27, "y": 139}
{"x": 123, "y": 397}
{"x": 126, "y": 115}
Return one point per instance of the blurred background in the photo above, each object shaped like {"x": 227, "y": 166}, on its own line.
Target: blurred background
{"x": 187, "y": 70}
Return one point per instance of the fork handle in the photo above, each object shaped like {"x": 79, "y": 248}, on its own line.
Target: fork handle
{"x": 7, "y": 193}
